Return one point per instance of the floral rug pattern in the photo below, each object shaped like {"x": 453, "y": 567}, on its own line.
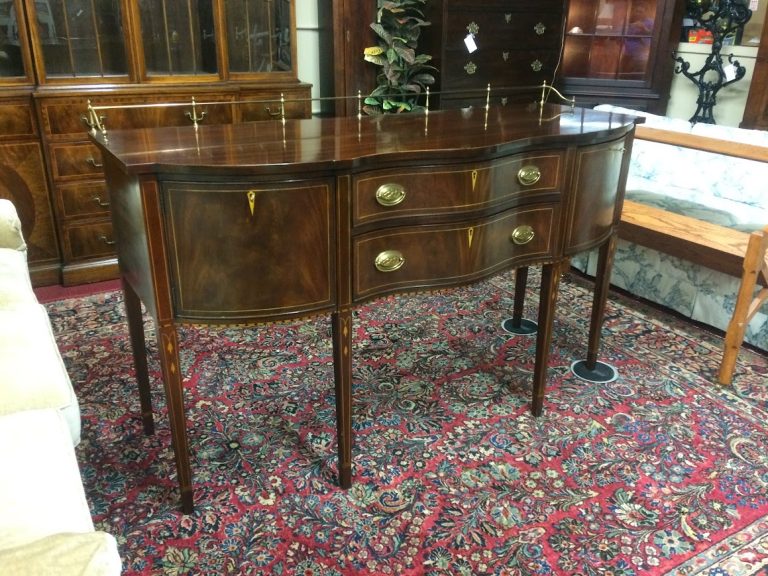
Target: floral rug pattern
{"x": 659, "y": 472}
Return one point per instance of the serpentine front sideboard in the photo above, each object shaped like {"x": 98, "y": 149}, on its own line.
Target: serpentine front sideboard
{"x": 272, "y": 220}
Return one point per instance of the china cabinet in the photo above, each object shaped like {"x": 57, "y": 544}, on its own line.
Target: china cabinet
{"x": 620, "y": 52}
{"x": 224, "y": 60}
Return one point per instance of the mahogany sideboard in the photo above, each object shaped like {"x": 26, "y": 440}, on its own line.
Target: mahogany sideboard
{"x": 263, "y": 221}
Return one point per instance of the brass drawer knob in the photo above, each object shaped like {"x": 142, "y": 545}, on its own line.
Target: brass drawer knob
{"x": 522, "y": 234}
{"x": 389, "y": 261}
{"x": 390, "y": 194}
{"x": 528, "y": 175}
{"x": 539, "y": 29}
{"x": 536, "y": 65}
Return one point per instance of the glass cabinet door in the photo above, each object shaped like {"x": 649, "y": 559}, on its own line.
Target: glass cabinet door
{"x": 259, "y": 35}
{"x": 609, "y": 39}
{"x": 178, "y": 37}
{"x": 12, "y": 43}
{"x": 79, "y": 38}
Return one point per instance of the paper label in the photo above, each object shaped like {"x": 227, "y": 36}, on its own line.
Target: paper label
{"x": 470, "y": 42}
{"x": 753, "y": 5}
{"x": 730, "y": 72}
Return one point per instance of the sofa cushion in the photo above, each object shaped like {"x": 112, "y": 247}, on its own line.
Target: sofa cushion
{"x": 88, "y": 554}
{"x": 32, "y": 373}
{"x": 701, "y": 173}
{"x": 41, "y": 491}
{"x": 10, "y": 227}
{"x": 15, "y": 285}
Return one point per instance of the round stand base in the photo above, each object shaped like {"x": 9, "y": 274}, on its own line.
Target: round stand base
{"x": 526, "y": 327}
{"x": 601, "y": 373}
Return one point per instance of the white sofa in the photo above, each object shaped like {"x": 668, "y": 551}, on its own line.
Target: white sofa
{"x": 45, "y": 523}
{"x": 712, "y": 187}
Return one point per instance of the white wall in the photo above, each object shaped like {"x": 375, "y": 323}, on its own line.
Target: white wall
{"x": 308, "y": 46}
{"x": 731, "y": 100}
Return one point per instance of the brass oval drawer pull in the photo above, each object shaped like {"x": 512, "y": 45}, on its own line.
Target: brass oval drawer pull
{"x": 107, "y": 241}
{"x": 522, "y": 234}
{"x": 390, "y": 194}
{"x": 100, "y": 202}
{"x": 389, "y": 261}
{"x": 93, "y": 162}
{"x": 528, "y": 175}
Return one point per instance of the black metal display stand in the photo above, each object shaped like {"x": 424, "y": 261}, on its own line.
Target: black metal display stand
{"x": 722, "y": 19}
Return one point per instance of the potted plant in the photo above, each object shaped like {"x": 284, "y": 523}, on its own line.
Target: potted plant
{"x": 404, "y": 74}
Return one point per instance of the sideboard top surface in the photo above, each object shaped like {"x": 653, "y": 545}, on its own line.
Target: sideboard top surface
{"x": 349, "y": 142}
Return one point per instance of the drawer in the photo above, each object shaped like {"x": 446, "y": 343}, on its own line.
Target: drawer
{"x": 265, "y": 105}
{"x": 16, "y": 119}
{"x": 516, "y": 6}
{"x": 75, "y": 161}
{"x": 427, "y": 256}
{"x": 68, "y": 116}
{"x": 504, "y": 69}
{"x": 495, "y": 32}
{"x": 84, "y": 199}
{"x": 92, "y": 240}
{"x": 389, "y": 194}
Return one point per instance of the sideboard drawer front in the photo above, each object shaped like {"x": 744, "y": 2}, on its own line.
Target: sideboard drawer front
{"x": 250, "y": 250}
{"x": 390, "y": 194}
{"x": 75, "y": 161}
{"x": 92, "y": 240}
{"x": 80, "y": 199}
{"x": 424, "y": 256}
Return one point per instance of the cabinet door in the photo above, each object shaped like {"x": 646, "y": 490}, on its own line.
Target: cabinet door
{"x": 609, "y": 39}
{"x": 178, "y": 37}
{"x": 78, "y": 39}
{"x": 620, "y": 51}
{"x": 22, "y": 180}
{"x": 15, "y": 64}
{"x": 259, "y": 35}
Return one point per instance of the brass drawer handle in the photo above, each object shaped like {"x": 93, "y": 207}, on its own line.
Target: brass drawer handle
{"x": 536, "y": 65}
{"x": 522, "y": 235}
{"x": 539, "y": 29}
{"x": 93, "y": 162}
{"x": 100, "y": 202}
{"x": 528, "y": 175}
{"x": 390, "y": 194}
{"x": 107, "y": 241}
{"x": 389, "y": 261}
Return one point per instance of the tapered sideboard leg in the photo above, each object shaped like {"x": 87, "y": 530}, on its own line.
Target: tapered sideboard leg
{"x": 136, "y": 331}
{"x": 342, "y": 366}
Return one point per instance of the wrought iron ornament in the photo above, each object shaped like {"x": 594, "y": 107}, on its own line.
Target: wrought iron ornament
{"x": 721, "y": 18}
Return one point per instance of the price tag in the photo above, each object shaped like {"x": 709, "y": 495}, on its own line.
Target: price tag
{"x": 730, "y": 72}
{"x": 753, "y": 5}
{"x": 470, "y": 43}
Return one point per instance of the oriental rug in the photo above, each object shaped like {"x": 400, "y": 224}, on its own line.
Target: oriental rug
{"x": 660, "y": 472}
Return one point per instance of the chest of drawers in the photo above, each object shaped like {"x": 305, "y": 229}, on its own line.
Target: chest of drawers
{"x": 507, "y": 44}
